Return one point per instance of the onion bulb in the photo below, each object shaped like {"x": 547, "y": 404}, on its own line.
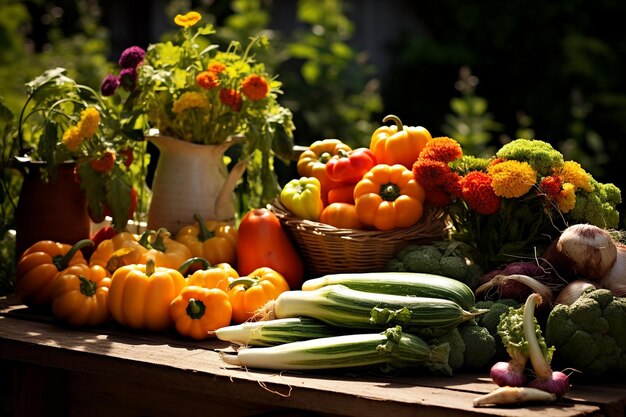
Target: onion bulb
{"x": 590, "y": 249}
{"x": 572, "y": 291}
{"x": 615, "y": 279}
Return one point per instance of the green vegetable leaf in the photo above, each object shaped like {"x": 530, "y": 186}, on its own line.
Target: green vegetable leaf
{"x": 55, "y": 75}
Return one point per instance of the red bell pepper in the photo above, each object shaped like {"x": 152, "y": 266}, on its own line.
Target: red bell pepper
{"x": 349, "y": 167}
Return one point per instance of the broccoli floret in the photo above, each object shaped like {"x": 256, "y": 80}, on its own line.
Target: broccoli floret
{"x": 598, "y": 207}
{"x": 590, "y": 334}
{"x": 439, "y": 258}
{"x": 491, "y": 318}
{"x": 480, "y": 346}
{"x": 424, "y": 259}
{"x": 457, "y": 347}
{"x": 541, "y": 156}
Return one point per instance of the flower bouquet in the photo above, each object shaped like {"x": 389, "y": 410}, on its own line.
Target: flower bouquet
{"x": 189, "y": 89}
{"x": 63, "y": 121}
{"x": 513, "y": 204}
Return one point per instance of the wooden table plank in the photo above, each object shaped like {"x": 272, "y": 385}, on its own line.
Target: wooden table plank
{"x": 171, "y": 364}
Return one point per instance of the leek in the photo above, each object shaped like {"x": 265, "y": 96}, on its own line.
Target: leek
{"x": 392, "y": 347}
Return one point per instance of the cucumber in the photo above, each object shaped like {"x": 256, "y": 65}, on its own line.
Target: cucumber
{"x": 400, "y": 283}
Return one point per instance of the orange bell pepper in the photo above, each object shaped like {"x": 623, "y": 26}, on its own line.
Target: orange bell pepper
{"x": 140, "y": 295}
{"x": 341, "y": 215}
{"x": 39, "y": 265}
{"x": 389, "y": 197}
{"x": 398, "y": 144}
{"x": 248, "y": 294}
{"x": 197, "y": 312}
{"x": 216, "y": 241}
{"x": 312, "y": 162}
{"x": 122, "y": 249}
{"x": 80, "y": 295}
{"x": 218, "y": 276}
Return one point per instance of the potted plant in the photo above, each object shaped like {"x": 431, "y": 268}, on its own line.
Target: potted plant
{"x": 69, "y": 145}
{"x": 197, "y": 100}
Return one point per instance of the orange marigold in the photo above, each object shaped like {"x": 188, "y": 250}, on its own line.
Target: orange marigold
{"x": 216, "y": 67}
{"x": 572, "y": 172}
{"x": 551, "y": 185}
{"x": 566, "y": 199}
{"x": 479, "y": 194}
{"x": 511, "y": 179}
{"x": 430, "y": 173}
{"x": 207, "y": 80}
{"x": 255, "y": 87}
{"x": 231, "y": 98}
{"x": 89, "y": 122}
{"x": 442, "y": 149}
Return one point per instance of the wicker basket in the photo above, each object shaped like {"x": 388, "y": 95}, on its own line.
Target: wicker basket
{"x": 326, "y": 249}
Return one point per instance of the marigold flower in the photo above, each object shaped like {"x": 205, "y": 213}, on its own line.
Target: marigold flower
{"x": 511, "y": 179}
{"x": 430, "y": 173}
{"x": 442, "y": 149}
{"x": 190, "y": 100}
{"x": 551, "y": 185}
{"x": 572, "y": 172}
{"x": 216, "y": 67}
{"x": 437, "y": 197}
{"x": 479, "y": 194}
{"x": 72, "y": 138}
{"x": 231, "y": 98}
{"x": 131, "y": 57}
{"x": 109, "y": 85}
{"x": 566, "y": 199}
{"x": 89, "y": 122}
{"x": 255, "y": 87}
{"x": 207, "y": 80}
{"x": 187, "y": 20}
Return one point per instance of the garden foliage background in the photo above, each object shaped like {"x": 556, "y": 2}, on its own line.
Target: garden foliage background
{"x": 482, "y": 72}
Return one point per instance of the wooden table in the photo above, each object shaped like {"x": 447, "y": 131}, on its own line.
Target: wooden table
{"x": 112, "y": 371}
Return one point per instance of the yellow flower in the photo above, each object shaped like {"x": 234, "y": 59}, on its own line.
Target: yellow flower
{"x": 89, "y": 121}
{"x": 72, "y": 138}
{"x": 566, "y": 200}
{"x": 187, "y": 20}
{"x": 190, "y": 100}
{"x": 511, "y": 179}
{"x": 572, "y": 172}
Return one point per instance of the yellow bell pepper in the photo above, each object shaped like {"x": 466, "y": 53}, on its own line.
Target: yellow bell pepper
{"x": 165, "y": 251}
{"x": 248, "y": 294}
{"x": 218, "y": 276}
{"x": 216, "y": 241}
{"x": 303, "y": 198}
{"x": 398, "y": 144}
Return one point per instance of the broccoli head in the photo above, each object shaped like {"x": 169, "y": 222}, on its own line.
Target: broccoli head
{"x": 541, "y": 156}
{"x": 444, "y": 258}
{"x": 471, "y": 347}
{"x": 598, "y": 207}
{"x": 491, "y": 319}
{"x": 480, "y": 346}
{"x": 590, "y": 334}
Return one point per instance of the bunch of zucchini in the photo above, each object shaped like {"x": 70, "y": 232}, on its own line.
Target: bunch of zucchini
{"x": 354, "y": 320}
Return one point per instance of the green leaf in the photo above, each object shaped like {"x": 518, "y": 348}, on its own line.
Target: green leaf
{"x": 311, "y": 72}
{"x": 341, "y": 50}
{"x": 118, "y": 198}
{"x": 56, "y": 75}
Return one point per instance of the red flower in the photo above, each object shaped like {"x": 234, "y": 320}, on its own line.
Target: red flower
{"x": 479, "y": 194}
{"x": 255, "y": 87}
{"x": 438, "y": 197}
{"x": 216, "y": 67}
{"x": 105, "y": 162}
{"x": 552, "y": 186}
{"x": 231, "y": 98}
{"x": 430, "y": 173}
{"x": 207, "y": 79}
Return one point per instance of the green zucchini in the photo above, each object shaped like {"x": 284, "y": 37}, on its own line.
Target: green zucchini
{"x": 341, "y": 306}
{"x": 400, "y": 283}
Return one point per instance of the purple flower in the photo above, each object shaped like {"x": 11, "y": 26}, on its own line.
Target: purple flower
{"x": 109, "y": 85}
{"x": 128, "y": 78}
{"x": 131, "y": 57}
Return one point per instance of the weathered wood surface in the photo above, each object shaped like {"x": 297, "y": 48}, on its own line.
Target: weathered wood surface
{"x": 109, "y": 367}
